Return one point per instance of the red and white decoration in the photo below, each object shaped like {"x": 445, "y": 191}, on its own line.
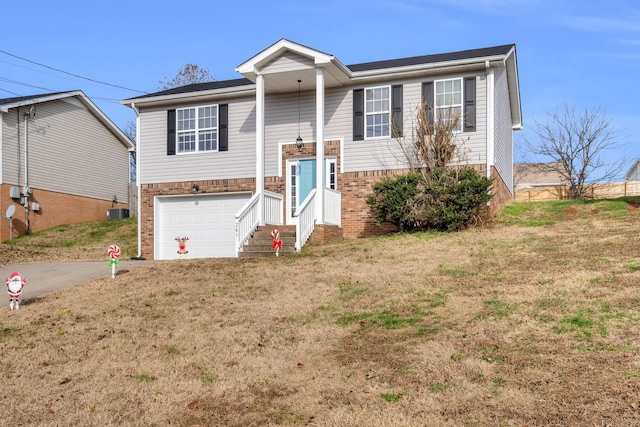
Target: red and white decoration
{"x": 182, "y": 245}
{"x": 114, "y": 254}
{"x": 15, "y": 283}
{"x": 277, "y": 243}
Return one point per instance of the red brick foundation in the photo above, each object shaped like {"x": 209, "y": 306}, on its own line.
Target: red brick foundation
{"x": 355, "y": 187}
{"x": 55, "y": 209}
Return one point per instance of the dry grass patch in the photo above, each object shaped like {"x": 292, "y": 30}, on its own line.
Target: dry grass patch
{"x": 511, "y": 325}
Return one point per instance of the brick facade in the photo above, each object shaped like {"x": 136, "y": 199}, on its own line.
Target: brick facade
{"x": 355, "y": 187}
{"x": 55, "y": 209}
{"x": 149, "y": 191}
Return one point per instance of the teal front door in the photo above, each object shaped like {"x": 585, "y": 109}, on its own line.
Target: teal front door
{"x": 307, "y": 174}
{"x": 302, "y": 179}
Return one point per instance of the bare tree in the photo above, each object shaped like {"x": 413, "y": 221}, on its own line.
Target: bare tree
{"x": 575, "y": 143}
{"x": 433, "y": 143}
{"x": 130, "y": 132}
{"x": 189, "y": 74}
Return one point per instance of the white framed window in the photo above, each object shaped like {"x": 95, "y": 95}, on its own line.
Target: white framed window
{"x": 331, "y": 173}
{"x": 448, "y": 101}
{"x": 293, "y": 187}
{"x": 197, "y": 129}
{"x": 377, "y": 111}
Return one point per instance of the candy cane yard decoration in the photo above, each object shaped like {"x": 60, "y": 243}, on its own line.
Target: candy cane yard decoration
{"x": 15, "y": 283}
{"x": 277, "y": 243}
{"x": 114, "y": 254}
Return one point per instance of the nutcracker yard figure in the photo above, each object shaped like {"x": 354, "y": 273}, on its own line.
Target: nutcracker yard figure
{"x": 15, "y": 283}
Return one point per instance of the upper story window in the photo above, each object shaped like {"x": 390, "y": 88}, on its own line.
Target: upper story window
{"x": 377, "y": 111}
{"x": 448, "y": 102}
{"x": 197, "y": 129}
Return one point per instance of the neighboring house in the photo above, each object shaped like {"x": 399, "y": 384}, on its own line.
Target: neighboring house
{"x": 63, "y": 161}
{"x": 529, "y": 175}
{"x": 215, "y": 160}
{"x": 633, "y": 174}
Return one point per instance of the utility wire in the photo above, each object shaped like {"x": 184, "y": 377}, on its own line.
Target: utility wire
{"x": 71, "y": 74}
{"x": 4, "y": 79}
{"x": 8, "y": 91}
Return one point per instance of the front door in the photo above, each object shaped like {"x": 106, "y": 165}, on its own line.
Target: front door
{"x": 307, "y": 174}
{"x": 301, "y": 180}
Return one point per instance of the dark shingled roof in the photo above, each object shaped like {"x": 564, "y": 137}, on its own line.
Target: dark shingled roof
{"x": 197, "y": 87}
{"x": 429, "y": 59}
{"x": 365, "y": 66}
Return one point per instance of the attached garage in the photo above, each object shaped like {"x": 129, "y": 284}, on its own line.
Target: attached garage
{"x": 206, "y": 220}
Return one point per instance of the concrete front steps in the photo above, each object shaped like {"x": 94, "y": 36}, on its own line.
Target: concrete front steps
{"x": 260, "y": 245}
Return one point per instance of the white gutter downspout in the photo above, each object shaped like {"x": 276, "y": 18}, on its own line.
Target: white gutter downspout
{"x": 25, "y": 190}
{"x": 260, "y": 114}
{"x": 490, "y": 118}
{"x": 139, "y": 204}
{"x": 1, "y": 180}
{"x": 320, "y": 146}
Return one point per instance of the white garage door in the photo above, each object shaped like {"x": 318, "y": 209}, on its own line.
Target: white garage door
{"x": 208, "y": 221}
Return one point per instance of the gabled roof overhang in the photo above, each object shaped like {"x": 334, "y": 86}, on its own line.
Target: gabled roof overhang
{"x": 336, "y": 73}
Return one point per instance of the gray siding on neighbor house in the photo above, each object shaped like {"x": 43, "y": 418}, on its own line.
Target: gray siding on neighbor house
{"x": 69, "y": 151}
{"x": 238, "y": 162}
{"x": 503, "y": 142}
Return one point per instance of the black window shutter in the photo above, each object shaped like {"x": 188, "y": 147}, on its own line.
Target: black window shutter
{"x": 469, "y": 113}
{"x": 396, "y": 111}
{"x": 223, "y": 127}
{"x": 428, "y": 98}
{"x": 358, "y": 114}
{"x": 171, "y": 132}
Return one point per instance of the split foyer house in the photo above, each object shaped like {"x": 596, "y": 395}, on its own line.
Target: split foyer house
{"x": 62, "y": 161}
{"x": 299, "y": 141}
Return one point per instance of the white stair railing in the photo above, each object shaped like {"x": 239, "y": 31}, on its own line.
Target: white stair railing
{"x": 273, "y": 208}
{"x": 332, "y": 207}
{"x": 247, "y": 220}
{"x": 305, "y": 220}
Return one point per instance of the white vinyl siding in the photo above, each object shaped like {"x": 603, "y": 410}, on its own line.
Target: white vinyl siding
{"x": 238, "y": 162}
{"x": 69, "y": 151}
{"x": 288, "y": 62}
{"x": 384, "y": 153}
{"x": 281, "y": 126}
{"x": 503, "y": 150}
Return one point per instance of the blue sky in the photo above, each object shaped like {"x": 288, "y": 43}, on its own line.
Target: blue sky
{"x": 585, "y": 54}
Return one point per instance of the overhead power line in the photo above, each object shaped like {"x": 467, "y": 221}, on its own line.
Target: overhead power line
{"x": 15, "y": 82}
{"x": 71, "y": 74}
{"x": 8, "y": 91}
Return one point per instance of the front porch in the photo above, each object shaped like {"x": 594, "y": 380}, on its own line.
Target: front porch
{"x": 248, "y": 219}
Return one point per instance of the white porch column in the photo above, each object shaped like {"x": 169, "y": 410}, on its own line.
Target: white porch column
{"x": 320, "y": 184}
{"x": 260, "y": 145}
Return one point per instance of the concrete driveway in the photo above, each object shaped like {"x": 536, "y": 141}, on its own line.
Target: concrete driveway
{"x": 47, "y": 277}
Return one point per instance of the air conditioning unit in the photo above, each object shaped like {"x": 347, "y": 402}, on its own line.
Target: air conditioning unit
{"x": 118, "y": 213}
